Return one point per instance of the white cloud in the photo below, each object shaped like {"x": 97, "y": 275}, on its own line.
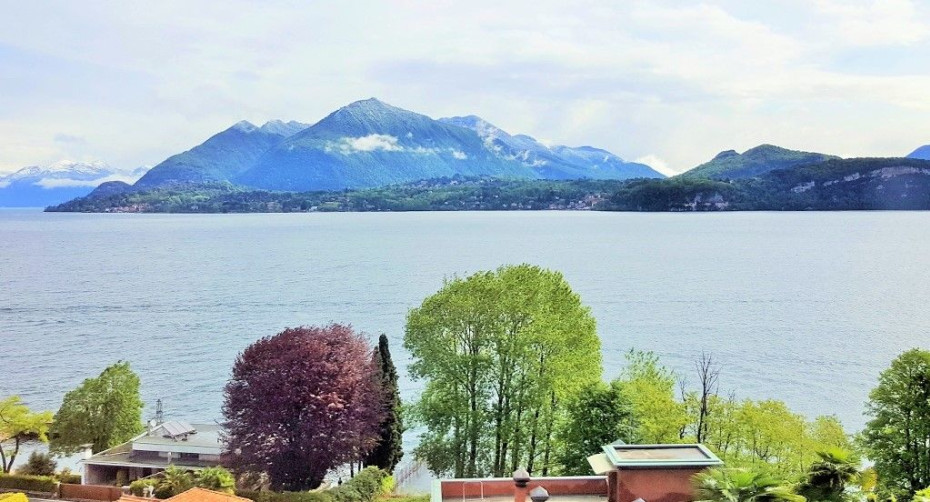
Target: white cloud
{"x": 874, "y": 22}
{"x": 459, "y": 155}
{"x": 67, "y": 182}
{"x": 657, "y": 163}
{"x": 370, "y": 143}
{"x": 4, "y": 184}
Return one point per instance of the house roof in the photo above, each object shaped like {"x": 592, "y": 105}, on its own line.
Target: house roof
{"x": 651, "y": 456}
{"x": 206, "y": 440}
{"x": 204, "y": 495}
{"x": 199, "y": 438}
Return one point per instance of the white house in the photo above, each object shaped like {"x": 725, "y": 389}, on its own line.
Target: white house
{"x": 187, "y": 446}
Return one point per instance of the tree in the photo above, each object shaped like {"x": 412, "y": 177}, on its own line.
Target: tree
{"x": 501, "y": 352}
{"x": 389, "y": 450}
{"x": 827, "y": 479}
{"x": 650, "y": 387}
{"x": 217, "y": 479}
{"x": 599, "y": 415}
{"x": 38, "y": 464}
{"x": 300, "y": 403}
{"x": 740, "y": 485}
{"x": 104, "y": 411}
{"x": 897, "y": 438}
{"x": 175, "y": 480}
{"x": 18, "y": 425}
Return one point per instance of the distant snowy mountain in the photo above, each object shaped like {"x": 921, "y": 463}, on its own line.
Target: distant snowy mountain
{"x": 39, "y": 186}
{"x": 557, "y": 162}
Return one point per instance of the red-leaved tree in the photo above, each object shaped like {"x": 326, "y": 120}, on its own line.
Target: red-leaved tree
{"x": 300, "y": 403}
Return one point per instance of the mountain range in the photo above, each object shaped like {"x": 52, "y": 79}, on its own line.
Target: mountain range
{"x": 39, "y": 186}
{"x": 369, "y": 143}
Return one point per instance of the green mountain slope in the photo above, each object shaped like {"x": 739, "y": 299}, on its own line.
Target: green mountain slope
{"x": 753, "y": 162}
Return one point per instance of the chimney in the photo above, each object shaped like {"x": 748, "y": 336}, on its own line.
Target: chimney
{"x": 539, "y": 494}
{"x": 520, "y": 479}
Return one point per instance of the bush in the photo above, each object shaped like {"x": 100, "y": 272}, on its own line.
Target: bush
{"x": 13, "y": 497}
{"x": 387, "y": 485}
{"x": 163, "y": 491}
{"x": 68, "y": 477}
{"x": 217, "y": 479}
{"x": 42, "y": 484}
{"x": 138, "y": 486}
{"x": 39, "y": 464}
{"x": 364, "y": 487}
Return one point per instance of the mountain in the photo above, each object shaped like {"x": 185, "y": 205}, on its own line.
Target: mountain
{"x": 36, "y": 186}
{"x": 831, "y": 185}
{"x": 558, "y": 162}
{"x": 922, "y": 153}
{"x": 753, "y": 162}
{"x": 221, "y": 157}
{"x": 369, "y": 143}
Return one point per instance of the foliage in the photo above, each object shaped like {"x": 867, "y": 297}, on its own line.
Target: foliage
{"x": 175, "y": 480}
{"x": 389, "y": 450}
{"x": 301, "y": 402}
{"x": 501, "y": 353}
{"x": 104, "y": 411}
{"x": 897, "y": 438}
{"x": 14, "y": 497}
{"x": 599, "y": 415}
{"x": 364, "y": 487}
{"x": 740, "y": 485}
{"x": 43, "y": 484}
{"x": 138, "y": 486}
{"x": 17, "y": 425}
{"x": 650, "y": 388}
{"x": 922, "y": 495}
{"x": 827, "y": 479}
{"x": 39, "y": 464}
{"x": 68, "y": 477}
{"x": 217, "y": 479}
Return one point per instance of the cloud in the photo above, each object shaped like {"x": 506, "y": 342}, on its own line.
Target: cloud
{"x": 459, "y": 155}
{"x": 657, "y": 163}
{"x": 4, "y": 183}
{"x": 47, "y": 183}
{"x": 370, "y": 143}
{"x": 69, "y": 139}
{"x": 874, "y": 22}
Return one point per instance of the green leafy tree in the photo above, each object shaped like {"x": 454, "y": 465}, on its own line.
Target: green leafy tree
{"x": 650, "y": 387}
{"x": 922, "y": 495}
{"x": 103, "y": 411}
{"x": 828, "y": 478}
{"x": 175, "y": 480}
{"x": 389, "y": 450}
{"x": 897, "y": 438}
{"x": 740, "y": 485}
{"x": 599, "y": 415}
{"x": 39, "y": 464}
{"x": 501, "y": 353}
{"x": 17, "y": 425}
{"x": 217, "y": 479}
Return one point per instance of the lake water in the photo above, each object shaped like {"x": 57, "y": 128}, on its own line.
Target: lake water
{"x": 803, "y": 307}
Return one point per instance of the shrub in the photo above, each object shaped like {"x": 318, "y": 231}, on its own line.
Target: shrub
{"x": 43, "y": 484}
{"x": 13, "y": 497}
{"x": 138, "y": 486}
{"x": 217, "y": 479}
{"x": 39, "y": 464}
{"x": 68, "y": 477}
{"x": 387, "y": 485}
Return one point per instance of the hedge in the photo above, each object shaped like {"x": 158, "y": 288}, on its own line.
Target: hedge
{"x": 27, "y": 483}
{"x": 14, "y": 497}
{"x": 364, "y": 487}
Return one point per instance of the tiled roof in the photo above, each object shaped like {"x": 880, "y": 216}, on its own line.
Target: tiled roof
{"x": 203, "y": 495}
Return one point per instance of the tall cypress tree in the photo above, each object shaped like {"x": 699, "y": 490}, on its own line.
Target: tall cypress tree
{"x": 389, "y": 450}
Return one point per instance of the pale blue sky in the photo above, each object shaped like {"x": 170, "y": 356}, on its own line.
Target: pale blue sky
{"x": 674, "y": 83}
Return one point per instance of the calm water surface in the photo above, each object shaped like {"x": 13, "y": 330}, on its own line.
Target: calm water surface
{"x": 803, "y": 307}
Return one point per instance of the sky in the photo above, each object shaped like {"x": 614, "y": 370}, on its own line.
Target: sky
{"x": 668, "y": 83}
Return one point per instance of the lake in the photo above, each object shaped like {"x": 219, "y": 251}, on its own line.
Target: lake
{"x": 803, "y": 307}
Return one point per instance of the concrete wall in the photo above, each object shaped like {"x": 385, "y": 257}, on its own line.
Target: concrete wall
{"x": 656, "y": 485}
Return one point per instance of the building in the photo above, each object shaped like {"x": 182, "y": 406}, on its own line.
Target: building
{"x": 623, "y": 473}
{"x": 187, "y": 446}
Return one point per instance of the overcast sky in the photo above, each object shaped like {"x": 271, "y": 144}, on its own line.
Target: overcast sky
{"x": 672, "y": 83}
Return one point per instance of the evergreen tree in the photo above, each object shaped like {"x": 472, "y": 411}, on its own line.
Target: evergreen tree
{"x": 387, "y": 454}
